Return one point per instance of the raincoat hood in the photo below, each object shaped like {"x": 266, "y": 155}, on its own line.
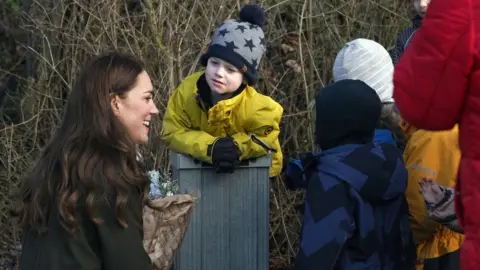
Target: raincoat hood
{"x": 347, "y": 112}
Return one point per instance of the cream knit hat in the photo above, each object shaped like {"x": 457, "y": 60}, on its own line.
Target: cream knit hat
{"x": 368, "y": 61}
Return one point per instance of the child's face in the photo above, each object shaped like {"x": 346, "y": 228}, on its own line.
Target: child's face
{"x": 222, "y": 77}
{"x": 421, "y": 6}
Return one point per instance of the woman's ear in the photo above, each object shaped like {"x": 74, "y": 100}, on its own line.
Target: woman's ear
{"x": 115, "y": 105}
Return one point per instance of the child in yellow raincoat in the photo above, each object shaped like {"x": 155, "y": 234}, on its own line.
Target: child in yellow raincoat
{"x": 216, "y": 116}
{"x": 434, "y": 155}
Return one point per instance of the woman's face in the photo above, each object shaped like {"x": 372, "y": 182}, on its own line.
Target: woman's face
{"x": 136, "y": 109}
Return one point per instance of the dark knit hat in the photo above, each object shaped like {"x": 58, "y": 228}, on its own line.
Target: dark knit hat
{"x": 240, "y": 42}
{"x": 347, "y": 111}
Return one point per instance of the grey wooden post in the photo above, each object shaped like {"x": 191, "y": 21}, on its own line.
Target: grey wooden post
{"x": 229, "y": 227}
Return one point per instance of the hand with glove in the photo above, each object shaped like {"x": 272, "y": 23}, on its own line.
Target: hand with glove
{"x": 225, "y": 155}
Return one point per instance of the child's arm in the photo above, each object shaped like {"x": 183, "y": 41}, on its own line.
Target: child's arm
{"x": 433, "y": 155}
{"x": 177, "y": 132}
{"x": 265, "y": 126}
{"x": 327, "y": 224}
{"x": 440, "y": 204}
{"x": 431, "y": 78}
{"x": 295, "y": 176}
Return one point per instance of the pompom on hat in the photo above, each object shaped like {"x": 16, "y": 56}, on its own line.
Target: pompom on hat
{"x": 240, "y": 42}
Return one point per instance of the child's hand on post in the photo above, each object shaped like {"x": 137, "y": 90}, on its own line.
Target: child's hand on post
{"x": 225, "y": 155}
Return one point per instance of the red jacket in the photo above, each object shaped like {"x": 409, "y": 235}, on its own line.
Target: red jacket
{"x": 437, "y": 84}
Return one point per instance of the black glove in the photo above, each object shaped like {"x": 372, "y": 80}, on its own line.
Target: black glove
{"x": 224, "y": 166}
{"x": 225, "y": 155}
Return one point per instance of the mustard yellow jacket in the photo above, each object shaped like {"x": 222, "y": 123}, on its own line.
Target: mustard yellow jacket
{"x": 190, "y": 127}
{"x": 435, "y": 155}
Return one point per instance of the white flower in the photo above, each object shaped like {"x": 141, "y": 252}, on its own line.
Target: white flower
{"x": 154, "y": 176}
{"x": 161, "y": 185}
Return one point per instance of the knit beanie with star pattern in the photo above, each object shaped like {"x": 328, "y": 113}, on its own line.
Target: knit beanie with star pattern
{"x": 240, "y": 42}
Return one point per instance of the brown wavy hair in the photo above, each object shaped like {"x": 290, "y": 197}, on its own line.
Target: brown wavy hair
{"x": 89, "y": 159}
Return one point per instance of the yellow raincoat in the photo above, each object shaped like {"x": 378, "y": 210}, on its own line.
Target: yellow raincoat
{"x": 189, "y": 129}
{"x": 435, "y": 155}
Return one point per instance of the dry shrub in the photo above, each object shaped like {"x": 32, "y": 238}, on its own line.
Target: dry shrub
{"x": 169, "y": 35}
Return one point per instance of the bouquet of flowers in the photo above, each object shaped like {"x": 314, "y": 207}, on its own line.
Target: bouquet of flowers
{"x": 161, "y": 188}
{"x": 165, "y": 219}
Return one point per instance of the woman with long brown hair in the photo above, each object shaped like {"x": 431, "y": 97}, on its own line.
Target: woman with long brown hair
{"x": 81, "y": 205}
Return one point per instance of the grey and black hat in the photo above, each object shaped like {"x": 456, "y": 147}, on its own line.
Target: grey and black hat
{"x": 241, "y": 42}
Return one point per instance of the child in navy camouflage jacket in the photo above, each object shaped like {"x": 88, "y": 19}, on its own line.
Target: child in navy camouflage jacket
{"x": 355, "y": 214}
